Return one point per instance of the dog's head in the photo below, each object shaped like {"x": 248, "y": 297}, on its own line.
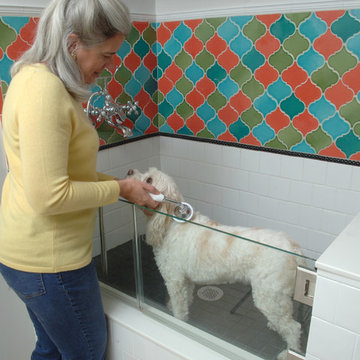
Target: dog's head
{"x": 158, "y": 223}
{"x": 163, "y": 182}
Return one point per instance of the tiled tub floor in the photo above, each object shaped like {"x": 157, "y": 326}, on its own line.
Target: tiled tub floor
{"x": 244, "y": 326}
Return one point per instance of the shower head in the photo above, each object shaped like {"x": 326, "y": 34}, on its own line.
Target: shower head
{"x": 183, "y": 211}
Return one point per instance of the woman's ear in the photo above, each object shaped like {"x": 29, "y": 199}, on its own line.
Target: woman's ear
{"x": 73, "y": 43}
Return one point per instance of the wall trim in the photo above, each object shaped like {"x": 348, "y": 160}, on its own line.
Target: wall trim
{"x": 34, "y": 11}
{"x": 279, "y": 6}
{"x": 238, "y": 145}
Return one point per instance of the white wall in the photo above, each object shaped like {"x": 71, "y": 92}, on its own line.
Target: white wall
{"x": 167, "y": 10}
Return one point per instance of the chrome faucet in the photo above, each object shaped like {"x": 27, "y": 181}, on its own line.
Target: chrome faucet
{"x": 113, "y": 113}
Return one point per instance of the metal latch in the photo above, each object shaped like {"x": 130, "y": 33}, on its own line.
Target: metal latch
{"x": 293, "y": 355}
{"x": 305, "y": 285}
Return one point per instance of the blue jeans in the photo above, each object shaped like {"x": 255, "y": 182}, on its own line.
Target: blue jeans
{"x": 66, "y": 311}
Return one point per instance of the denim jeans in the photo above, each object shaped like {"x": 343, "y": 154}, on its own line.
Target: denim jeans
{"x": 66, "y": 311}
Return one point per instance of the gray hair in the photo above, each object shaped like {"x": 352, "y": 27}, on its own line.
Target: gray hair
{"x": 93, "y": 21}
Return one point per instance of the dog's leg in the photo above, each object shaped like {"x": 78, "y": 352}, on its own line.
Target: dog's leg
{"x": 278, "y": 309}
{"x": 180, "y": 292}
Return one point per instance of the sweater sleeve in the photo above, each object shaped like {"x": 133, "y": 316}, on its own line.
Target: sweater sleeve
{"x": 104, "y": 177}
{"x": 45, "y": 121}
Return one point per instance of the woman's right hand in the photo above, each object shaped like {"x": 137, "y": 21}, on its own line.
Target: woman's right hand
{"x": 137, "y": 192}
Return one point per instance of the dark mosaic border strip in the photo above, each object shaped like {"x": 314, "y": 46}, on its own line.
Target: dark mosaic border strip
{"x": 243, "y": 146}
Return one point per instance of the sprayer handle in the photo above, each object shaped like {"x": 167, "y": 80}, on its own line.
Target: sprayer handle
{"x": 157, "y": 197}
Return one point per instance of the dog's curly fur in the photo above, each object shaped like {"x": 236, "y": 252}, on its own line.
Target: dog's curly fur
{"x": 188, "y": 254}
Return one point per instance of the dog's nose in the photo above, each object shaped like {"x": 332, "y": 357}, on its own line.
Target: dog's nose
{"x": 130, "y": 172}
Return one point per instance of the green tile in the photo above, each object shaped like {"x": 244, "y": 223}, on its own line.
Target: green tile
{"x": 123, "y": 98}
{"x": 350, "y": 112}
{"x": 254, "y": 29}
{"x": 8, "y": 35}
{"x": 205, "y": 59}
{"x": 184, "y": 85}
{"x": 289, "y": 136}
{"x": 342, "y": 61}
{"x": 123, "y": 75}
{"x": 318, "y": 139}
{"x": 158, "y": 97}
{"x": 184, "y": 110}
{"x": 205, "y": 133}
{"x": 324, "y": 77}
{"x": 217, "y": 100}
{"x": 183, "y": 60}
{"x": 134, "y": 36}
{"x": 298, "y": 18}
{"x": 296, "y": 44}
{"x": 253, "y": 88}
{"x": 204, "y": 31}
{"x": 276, "y": 144}
{"x": 240, "y": 74}
{"x": 149, "y": 35}
{"x": 280, "y": 60}
{"x": 251, "y": 117}
{"x": 159, "y": 120}
{"x": 216, "y": 22}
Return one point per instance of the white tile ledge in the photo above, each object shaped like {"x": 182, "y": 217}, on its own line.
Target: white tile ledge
{"x": 340, "y": 261}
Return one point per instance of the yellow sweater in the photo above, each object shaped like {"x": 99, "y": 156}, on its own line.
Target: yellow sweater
{"x": 51, "y": 193}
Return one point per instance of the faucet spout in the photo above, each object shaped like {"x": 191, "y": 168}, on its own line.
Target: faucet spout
{"x": 111, "y": 112}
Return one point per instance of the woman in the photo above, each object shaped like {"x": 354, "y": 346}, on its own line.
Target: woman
{"x": 52, "y": 191}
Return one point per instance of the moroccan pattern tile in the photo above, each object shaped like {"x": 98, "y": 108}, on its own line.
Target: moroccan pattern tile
{"x": 282, "y": 81}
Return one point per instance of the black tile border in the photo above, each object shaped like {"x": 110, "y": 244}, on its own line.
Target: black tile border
{"x": 232, "y": 144}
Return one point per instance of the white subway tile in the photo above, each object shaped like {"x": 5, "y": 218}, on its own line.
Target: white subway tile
{"x": 195, "y": 150}
{"x": 270, "y": 163}
{"x": 345, "y": 316}
{"x": 230, "y": 198}
{"x": 329, "y": 342}
{"x": 239, "y": 179}
{"x": 250, "y": 160}
{"x": 279, "y": 188}
{"x": 347, "y": 201}
{"x": 292, "y": 167}
{"x": 315, "y": 171}
{"x": 310, "y": 217}
{"x": 323, "y": 197}
{"x": 332, "y": 222}
{"x": 326, "y": 299}
{"x": 214, "y": 154}
{"x": 248, "y": 202}
{"x": 300, "y": 192}
{"x": 287, "y": 212}
{"x": 268, "y": 207}
{"x": 231, "y": 156}
{"x": 259, "y": 184}
{"x": 338, "y": 175}
{"x": 355, "y": 178}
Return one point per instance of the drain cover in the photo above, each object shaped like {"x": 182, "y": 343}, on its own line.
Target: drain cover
{"x": 210, "y": 293}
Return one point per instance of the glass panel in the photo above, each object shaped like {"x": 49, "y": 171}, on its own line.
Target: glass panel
{"x": 119, "y": 270}
{"x": 233, "y": 283}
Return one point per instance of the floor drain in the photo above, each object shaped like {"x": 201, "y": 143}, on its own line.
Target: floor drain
{"x": 210, "y": 293}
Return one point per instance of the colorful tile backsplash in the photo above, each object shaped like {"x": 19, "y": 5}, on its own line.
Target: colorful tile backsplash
{"x": 281, "y": 81}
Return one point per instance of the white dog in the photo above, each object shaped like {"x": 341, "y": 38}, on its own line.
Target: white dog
{"x": 188, "y": 254}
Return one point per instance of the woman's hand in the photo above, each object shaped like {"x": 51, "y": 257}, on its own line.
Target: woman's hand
{"x": 137, "y": 192}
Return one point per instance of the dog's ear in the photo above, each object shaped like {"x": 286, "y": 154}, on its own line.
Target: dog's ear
{"x": 157, "y": 225}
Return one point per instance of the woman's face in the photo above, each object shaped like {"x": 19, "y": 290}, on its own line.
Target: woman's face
{"x": 92, "y": 61}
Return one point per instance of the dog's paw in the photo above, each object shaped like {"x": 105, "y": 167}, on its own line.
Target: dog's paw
{"x": 282, "y": 355}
